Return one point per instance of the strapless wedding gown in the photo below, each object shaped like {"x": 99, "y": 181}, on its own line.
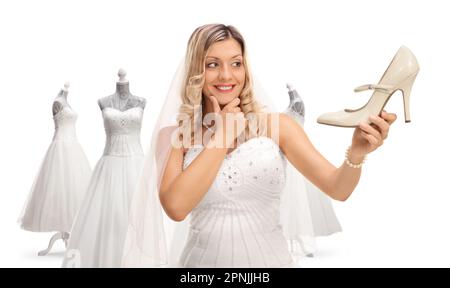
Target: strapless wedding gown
{"x": 98, "y": 233}
{"x": 61, "y": 182}
{"x": 237, "y": 223}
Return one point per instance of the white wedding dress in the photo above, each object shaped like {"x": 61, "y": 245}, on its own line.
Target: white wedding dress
{"x": 237, "y": 223}
{"x": 318, "y": 206}
{"x": 99, "y": 230}
{"x": 61, "y": 182}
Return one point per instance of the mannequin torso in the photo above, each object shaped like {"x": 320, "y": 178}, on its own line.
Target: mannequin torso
{"x": 61, "y": 100}
{"x": 296, "y": 106}
{"x": 122, "y": 99}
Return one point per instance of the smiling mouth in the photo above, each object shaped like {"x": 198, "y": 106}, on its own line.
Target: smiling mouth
{"x": 225, "y": 88}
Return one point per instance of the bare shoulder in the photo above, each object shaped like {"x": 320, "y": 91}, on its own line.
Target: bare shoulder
{"x": 280, "y": 126}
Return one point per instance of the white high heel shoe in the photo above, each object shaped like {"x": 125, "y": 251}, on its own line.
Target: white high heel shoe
{"x": 399, "y": 75}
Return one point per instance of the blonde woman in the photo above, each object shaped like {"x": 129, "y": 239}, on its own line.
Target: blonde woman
{"x": 223, "y": 172}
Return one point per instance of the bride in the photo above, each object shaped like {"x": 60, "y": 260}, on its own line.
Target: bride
{"x": 218, "y": 168}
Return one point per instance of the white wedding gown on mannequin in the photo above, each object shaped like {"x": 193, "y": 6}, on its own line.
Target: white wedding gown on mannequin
{"x": 237, "y": 223}
{"x": 61, "y": 182}
{"x": 318, "y": 208}
{"x": 99, "y": 230}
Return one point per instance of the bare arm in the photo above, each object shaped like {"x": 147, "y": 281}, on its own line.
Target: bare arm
{"x": 181, "y": 191}
{"x": 338, "y": 183}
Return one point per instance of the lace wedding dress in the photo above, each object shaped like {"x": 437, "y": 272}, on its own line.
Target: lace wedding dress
{"x": 61, "y": 182}
{"x": 99, "y": 230}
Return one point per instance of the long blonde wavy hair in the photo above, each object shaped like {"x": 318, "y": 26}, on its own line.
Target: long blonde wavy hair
{"x": 192, "y": 98}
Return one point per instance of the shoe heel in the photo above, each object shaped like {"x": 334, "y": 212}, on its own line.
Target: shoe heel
{"x": 406, "y": 90}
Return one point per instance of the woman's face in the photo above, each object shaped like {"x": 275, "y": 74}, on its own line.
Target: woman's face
{"x": 224, "y": 71}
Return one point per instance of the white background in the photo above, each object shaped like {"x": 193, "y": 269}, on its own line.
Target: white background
{"x": 399, "y": 214}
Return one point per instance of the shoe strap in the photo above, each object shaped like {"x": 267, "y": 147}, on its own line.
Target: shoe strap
{"x": 377, "y": 87}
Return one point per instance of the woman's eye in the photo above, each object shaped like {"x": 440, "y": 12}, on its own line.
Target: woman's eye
{"x": 237, "y": 64}
{"x": 211, "y": 65}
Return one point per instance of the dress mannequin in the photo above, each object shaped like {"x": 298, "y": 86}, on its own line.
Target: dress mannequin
{"x": 99, "y": 231}
{"x": 296, "y": 106}
{"x": 319, "y": 209}
{"x": 61, "y": 100}
{"x": 58, "y": 104}
{"x": 61, "y": 181}
{"x": 122, "y": 99}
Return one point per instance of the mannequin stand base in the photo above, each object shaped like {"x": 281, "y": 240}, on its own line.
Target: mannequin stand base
{"x": 59, "y": 235}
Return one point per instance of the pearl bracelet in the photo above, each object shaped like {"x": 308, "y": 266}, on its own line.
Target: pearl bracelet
{"x": 350, "y": 164}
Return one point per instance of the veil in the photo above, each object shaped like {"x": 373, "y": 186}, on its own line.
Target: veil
{"x": 153, "y": 239}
